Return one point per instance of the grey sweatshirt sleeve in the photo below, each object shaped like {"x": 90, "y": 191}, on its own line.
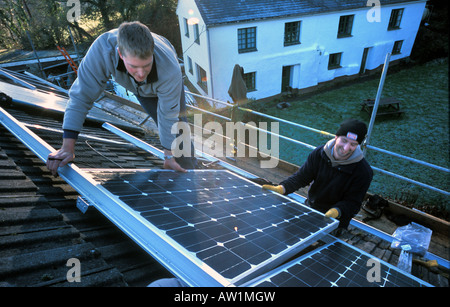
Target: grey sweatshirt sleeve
{"x": 168, "y": 89}
{"x": 90, "y": 83}
{"x": 169, "y": 112}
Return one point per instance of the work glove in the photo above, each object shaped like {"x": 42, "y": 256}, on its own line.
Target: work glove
{"x": 333, "y": 212}
{"x": 261, "y": 181}
{"x": 276, "y": 188}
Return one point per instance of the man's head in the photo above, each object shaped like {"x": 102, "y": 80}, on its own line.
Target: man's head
{"x": 350, "y": 134}
{"x": 135, "y": 39}
{"x": 136, "y": 46}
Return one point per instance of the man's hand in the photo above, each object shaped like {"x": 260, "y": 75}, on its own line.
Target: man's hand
{"x": 276, "y": 188}
{"x": 61, "y": 157}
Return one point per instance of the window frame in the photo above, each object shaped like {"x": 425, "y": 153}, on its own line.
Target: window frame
{"x": 293, "y": 35}
{"x": 250, "y": 81}
{"x": 246, "y": 39}
{"x": 345, "y": 26}
{"x": 396, "y": 19}
{"x": 334, "y": 60}
{"x": 200, "y": 73}
{"x": 186, "y": 27}
{"x": 190, "y": 66}
{"x": 397, "y": 48}
{"x": 196, "y": 33}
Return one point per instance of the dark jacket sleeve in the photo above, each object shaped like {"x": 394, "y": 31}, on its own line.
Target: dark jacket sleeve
{"x": 350, "y": 204}
{"x": 305, "y": 174}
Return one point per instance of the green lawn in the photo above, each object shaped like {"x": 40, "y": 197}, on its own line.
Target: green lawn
{"x": 422, "y": 132}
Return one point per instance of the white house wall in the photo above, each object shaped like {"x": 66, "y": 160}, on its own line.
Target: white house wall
{"x": 199, "y": 53}
{"x": 267, "y": 62}
{"x": 318, "y": 37}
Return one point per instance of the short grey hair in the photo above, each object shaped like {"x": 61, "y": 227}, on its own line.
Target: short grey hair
{"x": 135, "y": 39}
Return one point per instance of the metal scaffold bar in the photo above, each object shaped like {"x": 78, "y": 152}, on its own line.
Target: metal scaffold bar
{"x": 288, "y": 122}
{"x": 411, "y": 181}
{"x": 377, "y": 98}
{"x": 365, "y": 146}
{"x": 160, "y": 154}
{"x": 408, "y": 158}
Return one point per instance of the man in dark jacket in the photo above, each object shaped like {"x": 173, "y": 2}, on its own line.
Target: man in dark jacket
{"x": 339, "y": 173}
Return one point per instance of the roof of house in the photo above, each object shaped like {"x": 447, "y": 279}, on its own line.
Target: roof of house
{"x": 41, "y": 227}
{"x": 215, "y": 12}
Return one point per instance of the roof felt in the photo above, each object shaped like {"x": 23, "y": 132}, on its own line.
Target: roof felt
{"x": 216, "y": 12}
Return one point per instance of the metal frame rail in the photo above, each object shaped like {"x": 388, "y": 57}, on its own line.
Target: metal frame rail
{"x": 387, "y": 237}
{"x": 122, "y": 217}
{"x": 160, "y": 154}
{"x": 328, "y": 240}
{"x": 4, "y": 116}
{"x": 143, "y": 145}
{"x": 365, "y": 145}
{"x": 126, "y": 220}
{"x": 152, "y": 240}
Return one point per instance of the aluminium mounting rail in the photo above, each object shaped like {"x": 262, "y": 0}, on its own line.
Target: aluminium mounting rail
{"x": 166, "y": 250}
{"x": 159, "y": 153}
{"x": 365, "y": 227}
{"x": 122, "y": 217}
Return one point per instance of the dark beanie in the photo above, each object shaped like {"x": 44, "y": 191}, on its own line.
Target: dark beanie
{"x": 353, "y": 129}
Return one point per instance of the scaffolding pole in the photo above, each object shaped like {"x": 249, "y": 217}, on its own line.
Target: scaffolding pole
{"x": 377, "y": 100}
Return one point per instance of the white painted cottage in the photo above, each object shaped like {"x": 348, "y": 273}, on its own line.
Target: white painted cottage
{"x": 291, "y": 43}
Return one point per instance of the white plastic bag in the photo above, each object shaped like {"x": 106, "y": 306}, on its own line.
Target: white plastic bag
{"x": 412, "y": 238}
{"x": 405, "y": 261}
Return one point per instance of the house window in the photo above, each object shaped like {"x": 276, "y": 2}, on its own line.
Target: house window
{"x": 247, "y": 40}
{"x": 250, "y": 81}
{"x": 190, "y": 67}
{"x": 292, "y": 33}
{"x": 334, "y": 61}
{"x": 196, "y": 34}
{"x": 186, "y": 27}
{"x": 202, "y": 79}
{"x": 396, "y": 19}
{"x": 345, "y": 26}
{"x": 397, "y": 47}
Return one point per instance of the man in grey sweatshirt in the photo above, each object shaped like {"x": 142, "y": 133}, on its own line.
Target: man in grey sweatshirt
{"x": 145, "y": 64}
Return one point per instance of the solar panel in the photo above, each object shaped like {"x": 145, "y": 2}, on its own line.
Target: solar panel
{"x": 337, "y": 264}
{"x": 224, "y": 223}
{"x": 51, "y": 102}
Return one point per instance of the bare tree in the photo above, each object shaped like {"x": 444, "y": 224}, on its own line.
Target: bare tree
{"x": 47, "y": 22}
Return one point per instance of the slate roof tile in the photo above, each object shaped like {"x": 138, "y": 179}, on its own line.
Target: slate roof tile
{"x": 215, "y": 12}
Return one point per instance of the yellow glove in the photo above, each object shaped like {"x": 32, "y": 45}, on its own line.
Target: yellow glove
{"x": 276, "y": 188}
{"x": 333, "y": 212}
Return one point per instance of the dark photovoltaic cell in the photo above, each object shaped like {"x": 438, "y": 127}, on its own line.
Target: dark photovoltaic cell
{"x": 338, "y": 265}
{"x": 226, "y": 221}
